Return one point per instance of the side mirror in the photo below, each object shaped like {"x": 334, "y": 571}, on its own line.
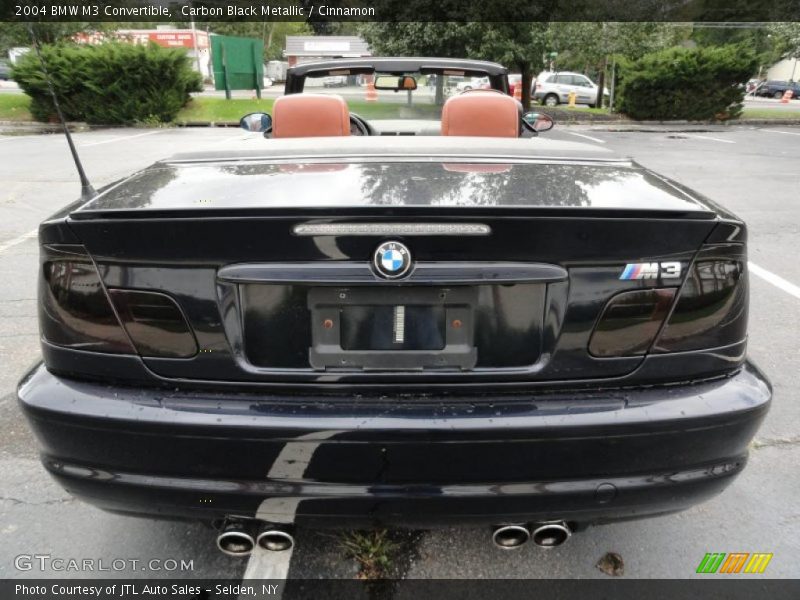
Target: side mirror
{"x": 538, "y": 122}
{"x": 256, "y": 122}
{"x": 395, "y": 84}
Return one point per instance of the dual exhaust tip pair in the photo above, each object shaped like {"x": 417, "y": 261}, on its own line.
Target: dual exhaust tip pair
{"x": 544, "y": 535}
{"x": 240, "y": 537}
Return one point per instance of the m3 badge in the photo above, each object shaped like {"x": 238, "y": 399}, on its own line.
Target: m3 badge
{"x": 652, "y": 270}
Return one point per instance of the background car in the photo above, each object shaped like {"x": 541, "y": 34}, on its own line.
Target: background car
{"x": 473, "y": 83}
{"x": 552, "y": 88}
{"x": 776, "y": 89}
{"x": 335, "y": 81}
{"x": 5, "y": 70}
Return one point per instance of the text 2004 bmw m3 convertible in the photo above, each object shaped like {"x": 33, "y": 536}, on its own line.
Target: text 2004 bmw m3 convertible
{"x": 360, "y": 324}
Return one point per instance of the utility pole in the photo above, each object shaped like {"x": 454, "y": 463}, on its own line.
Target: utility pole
{"x": 194, "y": 43}
{"x": 601, "y": 84}
{"x": 613, "y": 83}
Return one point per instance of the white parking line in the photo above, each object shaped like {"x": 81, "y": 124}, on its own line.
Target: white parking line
{"x": 290, "y": 465}
{"x": 268, "y": 565}
{"x": 776, "y": 280}
{"x": 707, "y": 137}
{"x": 779, "y": 131}
{"x": 122, "y": 138}
{"x": 588, "y": 137}
{"x": 18, "y": 240}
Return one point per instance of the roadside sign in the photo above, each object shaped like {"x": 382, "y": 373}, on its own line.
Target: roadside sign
{"x": 238, "y": 63}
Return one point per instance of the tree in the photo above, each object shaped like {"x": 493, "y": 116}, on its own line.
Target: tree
{"x": 18, "y": 34}
{"x": 587, "y": 46}
{"x": 11, "y": 35}
{"x": 687, "y": 83}
{"x": 787, "y": 38}
{"x": 449, "y": 40}
{"x": 520, "y": 45}
{"x": 768, "y": 46}
{"x": 157, "y": 82}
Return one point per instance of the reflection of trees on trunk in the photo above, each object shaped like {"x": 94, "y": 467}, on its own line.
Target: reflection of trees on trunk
{"x": 476, "y": 185}
{"x": 251, "y": 169}
{"x": 139, "y": 192}
{"x": 407, "y": 183}
{"x": 383, "y": 184}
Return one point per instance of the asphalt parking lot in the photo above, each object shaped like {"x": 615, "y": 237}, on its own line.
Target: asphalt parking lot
{"x": 754, "y": 171}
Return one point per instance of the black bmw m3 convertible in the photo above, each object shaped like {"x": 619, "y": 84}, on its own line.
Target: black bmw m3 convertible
{"x": 401, "y": 322}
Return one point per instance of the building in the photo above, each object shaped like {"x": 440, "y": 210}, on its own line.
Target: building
{"x": 309, "y": 48}
{"x": 787, "y": 69}
{"x": 195, "y": 42}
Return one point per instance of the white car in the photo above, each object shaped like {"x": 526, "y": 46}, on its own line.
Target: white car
{"x": 335, "y": 81}
{"x": 552, "y": 89}
{"x": 473, "y": 83}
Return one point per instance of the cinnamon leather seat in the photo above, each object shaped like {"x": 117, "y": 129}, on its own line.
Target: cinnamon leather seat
{"x": 481, "y": 113}
{"x": 310, "y": 115}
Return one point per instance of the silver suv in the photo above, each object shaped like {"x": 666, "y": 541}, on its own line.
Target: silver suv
{"x": 552, "y": 89}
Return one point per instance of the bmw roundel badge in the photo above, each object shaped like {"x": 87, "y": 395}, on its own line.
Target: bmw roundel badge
{"x": 392, "y": 260}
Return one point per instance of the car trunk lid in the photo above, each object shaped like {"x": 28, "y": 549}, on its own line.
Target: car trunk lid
{"x": 271, "y": 262}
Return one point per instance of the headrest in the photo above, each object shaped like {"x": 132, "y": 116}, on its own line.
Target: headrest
{"x": 310, "y": 115}
{"x": 481, "y": 113}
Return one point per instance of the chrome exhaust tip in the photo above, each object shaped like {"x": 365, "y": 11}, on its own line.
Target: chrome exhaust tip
{"x": 550, "y": 535}
{"x": 274, "y": 540}
{"x": 509, "y": 537}
{"x": 235, "y": 540}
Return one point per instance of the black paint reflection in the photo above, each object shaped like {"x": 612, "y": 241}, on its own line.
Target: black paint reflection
{"x": 268, "y": 185}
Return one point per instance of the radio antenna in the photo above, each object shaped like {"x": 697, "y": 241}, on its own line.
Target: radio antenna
{"x": 87, "y": 191}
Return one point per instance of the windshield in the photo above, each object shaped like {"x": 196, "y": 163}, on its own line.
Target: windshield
{"x": 423, "y": 103}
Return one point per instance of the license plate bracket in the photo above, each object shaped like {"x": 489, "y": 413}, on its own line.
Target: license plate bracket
{"x": 403, "y": 328}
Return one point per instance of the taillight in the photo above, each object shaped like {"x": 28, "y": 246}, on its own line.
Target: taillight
{"x": 711, "y": 310}
{"x": 154, "y": 323}
{"x": 630, "y": 322}
{"x": 74, "y": 310}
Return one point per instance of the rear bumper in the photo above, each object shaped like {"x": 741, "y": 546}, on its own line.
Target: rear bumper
{"x": 418, "y": 462}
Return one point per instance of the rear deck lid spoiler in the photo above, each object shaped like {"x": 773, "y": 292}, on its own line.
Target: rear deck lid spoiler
{"x": 311, "y": 183}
